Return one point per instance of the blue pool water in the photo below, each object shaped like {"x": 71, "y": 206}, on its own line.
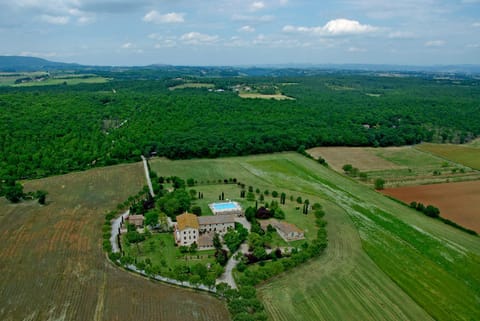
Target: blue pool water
{"x": 224, "y": 206}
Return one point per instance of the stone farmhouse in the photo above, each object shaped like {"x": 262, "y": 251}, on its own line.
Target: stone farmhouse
{"x": 190, "y": 229}
{"x": 288, "y": 232}
{"x": 136, "y": 220}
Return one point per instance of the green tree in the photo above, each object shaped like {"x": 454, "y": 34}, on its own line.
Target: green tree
{"x": 14, "y": 193}
{"x": 216, "y": 241}
{"x": 347, "y": 168}
{"x": 151, "y": 218}
{"x": 379, "y": 183}
{"x": 190, "y": 182}
{"x": 41, "y": 196}
{"x": 197, "y": 210}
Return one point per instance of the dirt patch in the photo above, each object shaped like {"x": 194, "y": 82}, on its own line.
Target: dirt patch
{"x": 362, "y": 158}
{"x": 457, "y": 201}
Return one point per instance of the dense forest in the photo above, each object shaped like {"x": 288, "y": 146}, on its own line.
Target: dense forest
{"x": 49, "y": 130}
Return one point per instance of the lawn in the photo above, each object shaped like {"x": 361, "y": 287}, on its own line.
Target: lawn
{"x": 363, "y": 274}
{"x": 161, "y": 250}
{"x": 462, "y": 154}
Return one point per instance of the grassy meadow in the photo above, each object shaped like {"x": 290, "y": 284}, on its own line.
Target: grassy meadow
{"x": 384, "y": 261}
{"x": 462, "y": 154}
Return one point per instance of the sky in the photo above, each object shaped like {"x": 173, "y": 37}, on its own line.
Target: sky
{"x": 242, "y": 32}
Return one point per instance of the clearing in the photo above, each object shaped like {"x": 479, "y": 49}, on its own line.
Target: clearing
{"x": 192, "y": 85}
{"x": 456, "y": 201}
{"x": 56, "y": 250}
{"x": 264, "y": 96}
{"x": 462, "y": 154}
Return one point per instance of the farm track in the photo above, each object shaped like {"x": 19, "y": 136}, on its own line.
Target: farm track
{"x": 53, "y": 266}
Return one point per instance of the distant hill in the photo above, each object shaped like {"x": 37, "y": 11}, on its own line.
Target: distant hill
{"x": 20, "y": 63}
{"x": 25, "y": 64}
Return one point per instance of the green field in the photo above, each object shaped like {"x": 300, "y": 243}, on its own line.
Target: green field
{"x": 398, "y": 166}
{"x": 414, "y": 265}
{"x": 192, "y": 85}
{"x": 65, "y": 81}
{"x": 462, "y": 154}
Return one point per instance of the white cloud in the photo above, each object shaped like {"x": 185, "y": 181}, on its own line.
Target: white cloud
{"x": 197, "y": 38}
{"x": 356, "y": 49}
{"x": 476, "y": 24}
{"x": 257, "y": 5}
{"x": 345, "y": 26}
{"x": 55, "y": 20}
{"x": 38, "y": 54}
{"x": 401, "y": 35}
{"x": 247, "y": 29}
{"x": 156, "y": 17}
{"x": 335, "y": 27}
{"x": 253, "y": 19}
{"x": 473, "y": 45}
{"x": 166, "y": 43}
{"x": 128, "y": 45}
{"x": 435, "y": 43}
{"x": 83, "y": 20}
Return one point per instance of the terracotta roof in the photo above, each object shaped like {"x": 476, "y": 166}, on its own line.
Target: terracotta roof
{"x": 217, "y": 219}
{"x": 136, "y": 218}
{"x": 187, "y": 220}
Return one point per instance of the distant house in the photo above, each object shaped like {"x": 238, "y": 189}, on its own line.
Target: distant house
{"x": 288, "y": 232}
{"x": 136, "y": 220}
{"x": 191, "y": 229}
{"x": 186, "y": 229}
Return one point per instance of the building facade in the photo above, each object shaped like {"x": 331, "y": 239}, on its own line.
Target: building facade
{"x": 191, "y": 229}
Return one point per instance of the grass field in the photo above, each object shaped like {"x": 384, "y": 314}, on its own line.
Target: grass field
{"x": 398, "y": 166}
{"x": 264, "y": 96}
{"x": 416, "y": 268}
{"x": 65, "y": 80}
{"x": 192, "y": 85}
{"x": 462, "y": 154}
{"x": 53, "y": 266}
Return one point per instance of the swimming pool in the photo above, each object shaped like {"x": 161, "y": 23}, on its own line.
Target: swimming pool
{"x": 219, "y": 207}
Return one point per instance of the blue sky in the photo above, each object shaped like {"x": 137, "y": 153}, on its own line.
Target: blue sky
{"x": 243, "y": 32}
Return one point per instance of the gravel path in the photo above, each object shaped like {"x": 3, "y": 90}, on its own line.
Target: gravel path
{"x": 147, "y": 175}
{"x": 115, "y": 227}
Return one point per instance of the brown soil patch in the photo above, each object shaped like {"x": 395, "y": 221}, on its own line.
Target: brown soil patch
{"x": 362, "y": 158}
{"x": 457, "y": 201}
{"x": 53, "y": 266}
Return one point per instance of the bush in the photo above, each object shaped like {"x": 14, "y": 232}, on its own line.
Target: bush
{"x": 379, "y": 183}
